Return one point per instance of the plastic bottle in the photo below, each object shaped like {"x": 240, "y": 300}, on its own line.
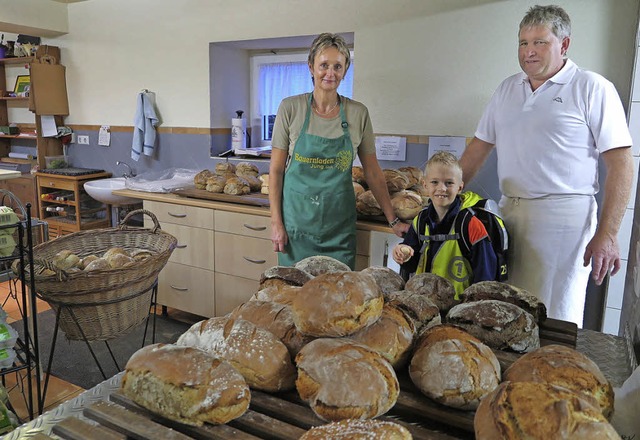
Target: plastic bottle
{"x": 238, "y": 131}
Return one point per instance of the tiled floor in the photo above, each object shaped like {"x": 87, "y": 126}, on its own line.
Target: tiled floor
{"x": 58, "y": 391}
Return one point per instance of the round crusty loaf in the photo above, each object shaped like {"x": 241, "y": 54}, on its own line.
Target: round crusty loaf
{"x": 391, "y": 336}
{"x": 453, "y": 368}
{"x": 438, "y": 289}
{"x": 337, "y": 304}
{"x": 358, "y": 189}
{"x": 357, "y": 175}
{"x": 508, "y": 293}
{"x": 414, "y": 175}
{"x": 244, "y": 169}
{"x": 237, "y": 186}
{"x": 366, "y": 204}
{"x": 565, "y": 367}
{"x": 255, "y": 184}
{"x": 387, "y": 279}
{"x": 498, "y": 324}
{"x": 419, "y": 308}
{"x": 261, "y": 358}
{"x": 396, "y": 180}
{"x": 354, "y": 429}
{"x": 277, "y": 318}
{"x": 225, "y": 168}
{"x": 279, "y": 275}
{"x": 406, "y": 204}
{"x": 185, "y": 384}
{"x": 319, "y": 264}
{"x": 539, "y": 411}
{"x": 282, "y": 294}
{"x": 341, "y": 379}
{"x": 215, "y": 183}
{"x": 200, "y": 179}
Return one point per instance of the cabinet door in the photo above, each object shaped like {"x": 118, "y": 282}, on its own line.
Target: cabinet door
{"x": 232, "y": 291}
{"x": 195, "y": 245}
{"x": 187, "y": 288}
{"x": 179, "y": 215}
{"x": 246, "y": 257}
{"x": 243, "y": 224}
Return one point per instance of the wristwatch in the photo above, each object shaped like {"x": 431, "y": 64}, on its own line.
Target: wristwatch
{"x": 394, "y": 222}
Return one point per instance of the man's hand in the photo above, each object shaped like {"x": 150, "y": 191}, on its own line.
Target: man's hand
{"x": 604, "y": 254}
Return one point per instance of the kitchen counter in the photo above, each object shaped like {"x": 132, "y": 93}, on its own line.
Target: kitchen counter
{"x": 229, "y": 206}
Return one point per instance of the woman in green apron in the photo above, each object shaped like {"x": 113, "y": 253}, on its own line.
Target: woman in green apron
{"x": 315, "y": 138}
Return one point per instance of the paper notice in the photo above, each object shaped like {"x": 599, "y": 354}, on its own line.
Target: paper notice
{"x": 453, "y": 144}
{"x": 49, "y": 128}
{"x": 104, "y": 136}
{"x": 391, "y": 148}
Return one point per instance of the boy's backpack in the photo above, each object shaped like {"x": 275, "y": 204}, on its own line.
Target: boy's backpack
{"x": 486, "y": 210}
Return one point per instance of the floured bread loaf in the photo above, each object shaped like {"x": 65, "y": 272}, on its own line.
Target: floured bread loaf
{"x": 396, "y": 180}
{"x": 406, "y": 204}
{"x": 341, "y": 379}
{"x": 453, "y": 368}
{"x": 261, "y": 358}
{"x": 357, "y": 175}
{"x": 282, "y": 294}
{"x": 354, "y": 429}
{"x": 387, "y": 279}
{"x": 279, "y": 275}
{"x": 319, "y": 264}
{"x": 216, "y": 183}
{"x": 498, "y": 324}
{"x": 255, "y": 184}
{"x": 438, "y": 289}
{"x": 277, "y": 318}
{"x": 237, "y": 186}
{"x": 185, "y": 384}
{"x": 244, "y": 169}
{"x": 391, "y": 336}
{"x": 366, "y": 204}
{"x": 264, "y": 178}
{"x": 508, "y": 293}
{"x": 414, "y": 175}
{"x": 419, "y": 308}
{"x": 358, "y": 189}
{"x": 337, "y": 304}
{"x": 225, "y": 168}
{"x": 200, "y": 179}
{"x": 565, "y": 367}
{"x": 539, "y": 411}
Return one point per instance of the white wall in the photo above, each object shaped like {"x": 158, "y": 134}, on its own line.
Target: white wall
{"x": 424, "y": 66}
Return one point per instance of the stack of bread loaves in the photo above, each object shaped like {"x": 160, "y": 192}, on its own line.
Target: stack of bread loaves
{"x": 231, "y": 179}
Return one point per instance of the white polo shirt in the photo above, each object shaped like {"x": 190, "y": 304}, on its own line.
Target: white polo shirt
{"x": 548, "y": 141}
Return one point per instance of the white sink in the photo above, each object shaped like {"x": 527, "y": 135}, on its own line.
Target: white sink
{"x": 101, "y": 190}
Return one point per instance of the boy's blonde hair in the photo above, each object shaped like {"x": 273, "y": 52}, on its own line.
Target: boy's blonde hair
{"x": 444, "y": 158}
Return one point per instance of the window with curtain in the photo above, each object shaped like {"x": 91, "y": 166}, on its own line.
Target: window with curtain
{"x": 280, "y": 80}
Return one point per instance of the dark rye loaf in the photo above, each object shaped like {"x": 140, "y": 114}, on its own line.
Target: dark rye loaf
{"x": 438, "y": 289}
{"x": 498, "y": 324}
{"x": 508, "y": 293}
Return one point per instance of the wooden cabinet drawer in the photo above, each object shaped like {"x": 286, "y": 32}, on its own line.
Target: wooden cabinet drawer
{"x": 246, "y": 257}
{"x": 363, "y": 239}
{"x": 187, "y": 288}
{"x": 195, "y": 245}
{"x": 179, "y": 214}
{"x": 52, "y": 182}
{"x": 232, "y": 291}
{"x": 243, "y": 224}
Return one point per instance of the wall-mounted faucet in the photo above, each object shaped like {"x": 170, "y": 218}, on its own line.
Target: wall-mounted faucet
{"x": 129, "y": 173}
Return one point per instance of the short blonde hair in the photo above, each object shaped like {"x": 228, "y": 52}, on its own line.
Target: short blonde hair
{"x": 326, "y": 40}
{"x": 444, "y": 158}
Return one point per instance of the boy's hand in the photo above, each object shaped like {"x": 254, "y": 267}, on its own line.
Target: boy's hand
{"x": 402, "y": 253}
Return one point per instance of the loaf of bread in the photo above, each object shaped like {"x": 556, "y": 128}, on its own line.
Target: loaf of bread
{"x": 337, "y": 304}
{"x": 277, "y": 318}
{"x": 237, "y": 186}
{"x": 396, "y": 180}
{"x": 436, "y": 288}
{"x": 200, "y": 179}
{"x": 255, "y": 184}
{"x": 283, "y": 275}
{"x": 366, "y": 204}
{"x": 565, "y": 367}
{"x": 414, "y": 175}
{"x": 65, "y": 260}
{"x": 391, "y": 336}
{"x": 453, "y": 368}
{"x": 358, "y": 189}
{"x": 406, "y": 204}
{"x": 422, "y": 311}
{"x": 244, "y": 169}
{"x": 354, "y": 429}
{"x": 357, "y": 175}
{"x": 216, "y": 183}
{"x": 498, "y": 324}
{"x": 261, "y": 358}
{"x": 319, "y": 264}
{"x": 387, "y": 279}
{"x": 341, "y": 379}
{"x": 508, "y": 293}
{"x": 539, "y": 411}
{"x": 225, "y": 168}
{"x": 99, "y": 264}
{"x": 185, "y": 384}
{"x": 283, "y": 294}
{"x": 120, "y": 260}
{"x": 84, "y": 262}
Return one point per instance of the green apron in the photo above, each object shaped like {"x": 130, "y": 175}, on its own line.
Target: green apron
{"x": 318, "y": 202}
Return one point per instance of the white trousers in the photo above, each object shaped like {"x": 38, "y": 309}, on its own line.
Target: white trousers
{"x": 548, "y": 237}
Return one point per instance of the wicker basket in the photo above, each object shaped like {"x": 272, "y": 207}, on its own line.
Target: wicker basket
{"x": 105, "y": 303}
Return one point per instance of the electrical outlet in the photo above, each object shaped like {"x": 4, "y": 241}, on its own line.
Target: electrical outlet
{"x": 83, "y": 140}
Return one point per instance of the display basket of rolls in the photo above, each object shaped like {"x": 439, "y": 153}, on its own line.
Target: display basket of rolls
{"x": 101, "y": 279}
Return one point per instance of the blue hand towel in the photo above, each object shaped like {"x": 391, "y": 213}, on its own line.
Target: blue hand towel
{"x": 144, "y": 126}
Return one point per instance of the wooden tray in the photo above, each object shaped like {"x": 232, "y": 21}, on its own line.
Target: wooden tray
{"x": 285, "y": 416}
{"x": 254, "y": 199}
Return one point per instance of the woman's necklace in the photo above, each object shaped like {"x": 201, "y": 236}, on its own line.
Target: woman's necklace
{"x": 315, "y": 107}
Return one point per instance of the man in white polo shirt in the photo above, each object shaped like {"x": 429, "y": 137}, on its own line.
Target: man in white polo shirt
{"x": 550, "y": 125}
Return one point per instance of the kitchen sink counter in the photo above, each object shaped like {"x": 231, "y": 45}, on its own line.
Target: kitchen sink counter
{"x": 229, "y": 206}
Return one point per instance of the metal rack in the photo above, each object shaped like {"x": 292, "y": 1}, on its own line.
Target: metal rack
{"x": 27, "y": 347}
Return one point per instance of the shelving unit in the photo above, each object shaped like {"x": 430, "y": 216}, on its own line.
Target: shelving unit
{"x": 27, "y": 348}
{"x": 66, "y": 207}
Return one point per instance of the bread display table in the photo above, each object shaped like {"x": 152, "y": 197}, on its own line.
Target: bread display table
{"x": 102, "y": 413}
